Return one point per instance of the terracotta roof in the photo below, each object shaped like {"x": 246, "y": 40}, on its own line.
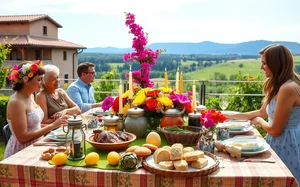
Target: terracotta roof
{"x": 26, "y": 18}
{"x": 33, "y": 41}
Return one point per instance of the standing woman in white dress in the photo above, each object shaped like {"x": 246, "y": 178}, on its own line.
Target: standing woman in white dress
{"x": 24, "y": 116}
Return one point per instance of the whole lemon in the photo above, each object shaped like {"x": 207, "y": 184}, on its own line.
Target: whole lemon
{"x": 113, "y": 158}
{"x": 59, "y": 159}
{"x": 91, "y": 158}
{"x": 153, "y": 138}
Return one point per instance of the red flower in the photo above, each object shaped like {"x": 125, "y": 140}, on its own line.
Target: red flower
{"x": 188, "y": 108}
{"x": 34, "y": 67}
{"x": 115, "y": 105}
{"x": 151, "y": 104}
{"x": 153, "y": 93}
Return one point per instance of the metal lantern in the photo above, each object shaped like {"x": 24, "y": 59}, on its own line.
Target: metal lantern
{"x": 75, "y": 138}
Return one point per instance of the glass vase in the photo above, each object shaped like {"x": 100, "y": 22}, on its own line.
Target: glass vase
{"x": 153, "y": 123}
{"x": 207, "y": 142}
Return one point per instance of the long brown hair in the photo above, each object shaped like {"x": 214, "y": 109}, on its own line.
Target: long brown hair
{"x": 279, "y": 60}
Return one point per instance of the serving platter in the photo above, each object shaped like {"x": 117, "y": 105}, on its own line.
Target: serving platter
{"x": 213, "y": 165}
{"x": 111, "y": 146}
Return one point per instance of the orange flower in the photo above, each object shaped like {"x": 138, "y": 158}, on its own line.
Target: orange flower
{"x": 30, "y": 74}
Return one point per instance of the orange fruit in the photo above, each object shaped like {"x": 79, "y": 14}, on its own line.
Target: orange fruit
{"x": 91, "y": 158}
{"x": 59, "y": 159}
{"x": 113, "y": 158}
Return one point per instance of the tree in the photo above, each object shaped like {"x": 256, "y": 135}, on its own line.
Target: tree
{"x": 5, "y": 49}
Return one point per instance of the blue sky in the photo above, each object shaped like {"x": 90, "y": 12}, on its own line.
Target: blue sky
{"x": 101, "y": 23}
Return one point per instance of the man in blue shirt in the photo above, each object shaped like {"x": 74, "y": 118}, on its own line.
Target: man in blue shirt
{"x": 81, "y": 91}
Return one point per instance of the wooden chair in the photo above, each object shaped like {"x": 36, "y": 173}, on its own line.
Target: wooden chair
{"x": 6, "y": 133}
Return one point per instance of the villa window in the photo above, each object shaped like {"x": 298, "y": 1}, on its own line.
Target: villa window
{"x": 65, "y": 55}
{"x": 44, "y": 30}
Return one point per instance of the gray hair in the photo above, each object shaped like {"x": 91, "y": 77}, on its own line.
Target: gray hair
{"x": 50, "y": 68}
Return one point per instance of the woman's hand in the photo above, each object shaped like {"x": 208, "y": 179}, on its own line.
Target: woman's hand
{"x": 256, "y": 121}
{"x": 61, "y": 121}
{"x": 58, "y": 115}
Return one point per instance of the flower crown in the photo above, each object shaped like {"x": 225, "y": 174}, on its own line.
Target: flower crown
{"x": 27, "y": 70}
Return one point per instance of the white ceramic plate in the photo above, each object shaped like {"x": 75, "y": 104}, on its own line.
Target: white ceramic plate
{"x": 234, "y": 125}
{"x": 262, "y": 146}
{"x": 56, "y": 135}
{"x": 241, "y": 131}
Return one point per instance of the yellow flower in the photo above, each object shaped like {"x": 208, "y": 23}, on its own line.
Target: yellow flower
{"x": 165, "y": 101}
{"x": 125, "y": 109}
{"x": 164, "y": 89}
{"x": 125, "y": 95}
{"x": 139, "y": 99}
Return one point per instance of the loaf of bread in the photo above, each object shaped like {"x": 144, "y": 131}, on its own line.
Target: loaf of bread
{"x": 200, "y": 163}
{"x": 176, "y": 153}
{"x": 166, "y": 165}
{"x": 161, "y": 155}
{"x": 181, "y": 165}
{"x": 167, "y": 147}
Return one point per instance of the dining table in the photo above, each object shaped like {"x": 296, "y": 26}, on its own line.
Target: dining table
{"x": 26, "y": 168}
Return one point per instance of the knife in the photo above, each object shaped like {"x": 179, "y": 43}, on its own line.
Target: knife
{"x": 48, "y": 143}
{"x": 259, "y": 160}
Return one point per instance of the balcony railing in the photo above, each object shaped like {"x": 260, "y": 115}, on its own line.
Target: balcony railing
{"x": 200, "y": 84}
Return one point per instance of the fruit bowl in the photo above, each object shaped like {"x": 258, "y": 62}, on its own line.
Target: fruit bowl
{"x": 111, "y": 146}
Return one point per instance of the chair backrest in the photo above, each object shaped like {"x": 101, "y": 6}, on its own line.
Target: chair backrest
{"x": 6, "y": 133}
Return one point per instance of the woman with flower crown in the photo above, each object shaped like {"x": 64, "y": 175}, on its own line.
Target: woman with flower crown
{"x": 24, "y": 116}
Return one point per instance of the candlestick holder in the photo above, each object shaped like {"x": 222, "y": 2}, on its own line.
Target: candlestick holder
{"x": 130, "y": 102}
{"x": 121, "y": 122}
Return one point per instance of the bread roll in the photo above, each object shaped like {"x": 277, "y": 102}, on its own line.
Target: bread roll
{"x": 161, "y": 155}
{"x": 176, "y": 153}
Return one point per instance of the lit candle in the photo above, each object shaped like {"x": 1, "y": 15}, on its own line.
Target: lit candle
{"x": 177, "y": 80}
{"x": 166, "y": 78}
{"x": 130, "y": 93}
{"x": 194, "y": 96}
{"x": 120, "y": 98}
{"x": 181, "y": 83}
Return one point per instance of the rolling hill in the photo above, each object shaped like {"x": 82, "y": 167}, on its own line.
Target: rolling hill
{"x": 206, "y": 47}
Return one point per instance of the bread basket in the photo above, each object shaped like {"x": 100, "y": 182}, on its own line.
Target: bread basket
{"x": 183, "y": 138}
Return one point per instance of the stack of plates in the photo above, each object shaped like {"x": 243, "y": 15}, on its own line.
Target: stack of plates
{"x": 236, "y": 126}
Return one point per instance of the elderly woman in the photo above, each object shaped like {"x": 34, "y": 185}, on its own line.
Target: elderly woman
{"x": 24, "y": 116}
{"x": 53, "y": 100}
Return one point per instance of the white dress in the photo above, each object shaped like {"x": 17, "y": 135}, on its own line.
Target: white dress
{"x": 34, "y": 119}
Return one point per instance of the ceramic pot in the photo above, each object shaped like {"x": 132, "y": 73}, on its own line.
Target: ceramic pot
{"x": 135, "y": 122}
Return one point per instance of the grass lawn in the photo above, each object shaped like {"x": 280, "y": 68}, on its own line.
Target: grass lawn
{"x": 2, "y": 149}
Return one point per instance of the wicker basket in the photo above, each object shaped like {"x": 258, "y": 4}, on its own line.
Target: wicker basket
{"x": 183, "y": 138}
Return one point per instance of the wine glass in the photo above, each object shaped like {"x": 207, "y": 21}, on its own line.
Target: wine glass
{"x": 223, "y": 101}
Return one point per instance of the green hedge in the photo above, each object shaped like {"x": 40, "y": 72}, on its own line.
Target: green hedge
{"x": 3, "y": 105}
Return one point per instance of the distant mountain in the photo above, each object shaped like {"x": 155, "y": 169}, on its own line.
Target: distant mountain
{"x": 206, "y": 47}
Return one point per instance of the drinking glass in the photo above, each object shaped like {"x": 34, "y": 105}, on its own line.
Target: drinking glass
{"x": 223, "y": 101}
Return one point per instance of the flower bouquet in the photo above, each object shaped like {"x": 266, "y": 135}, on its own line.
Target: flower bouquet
{"x": 209, "y": 120}
{"x": 152, "y": 101}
